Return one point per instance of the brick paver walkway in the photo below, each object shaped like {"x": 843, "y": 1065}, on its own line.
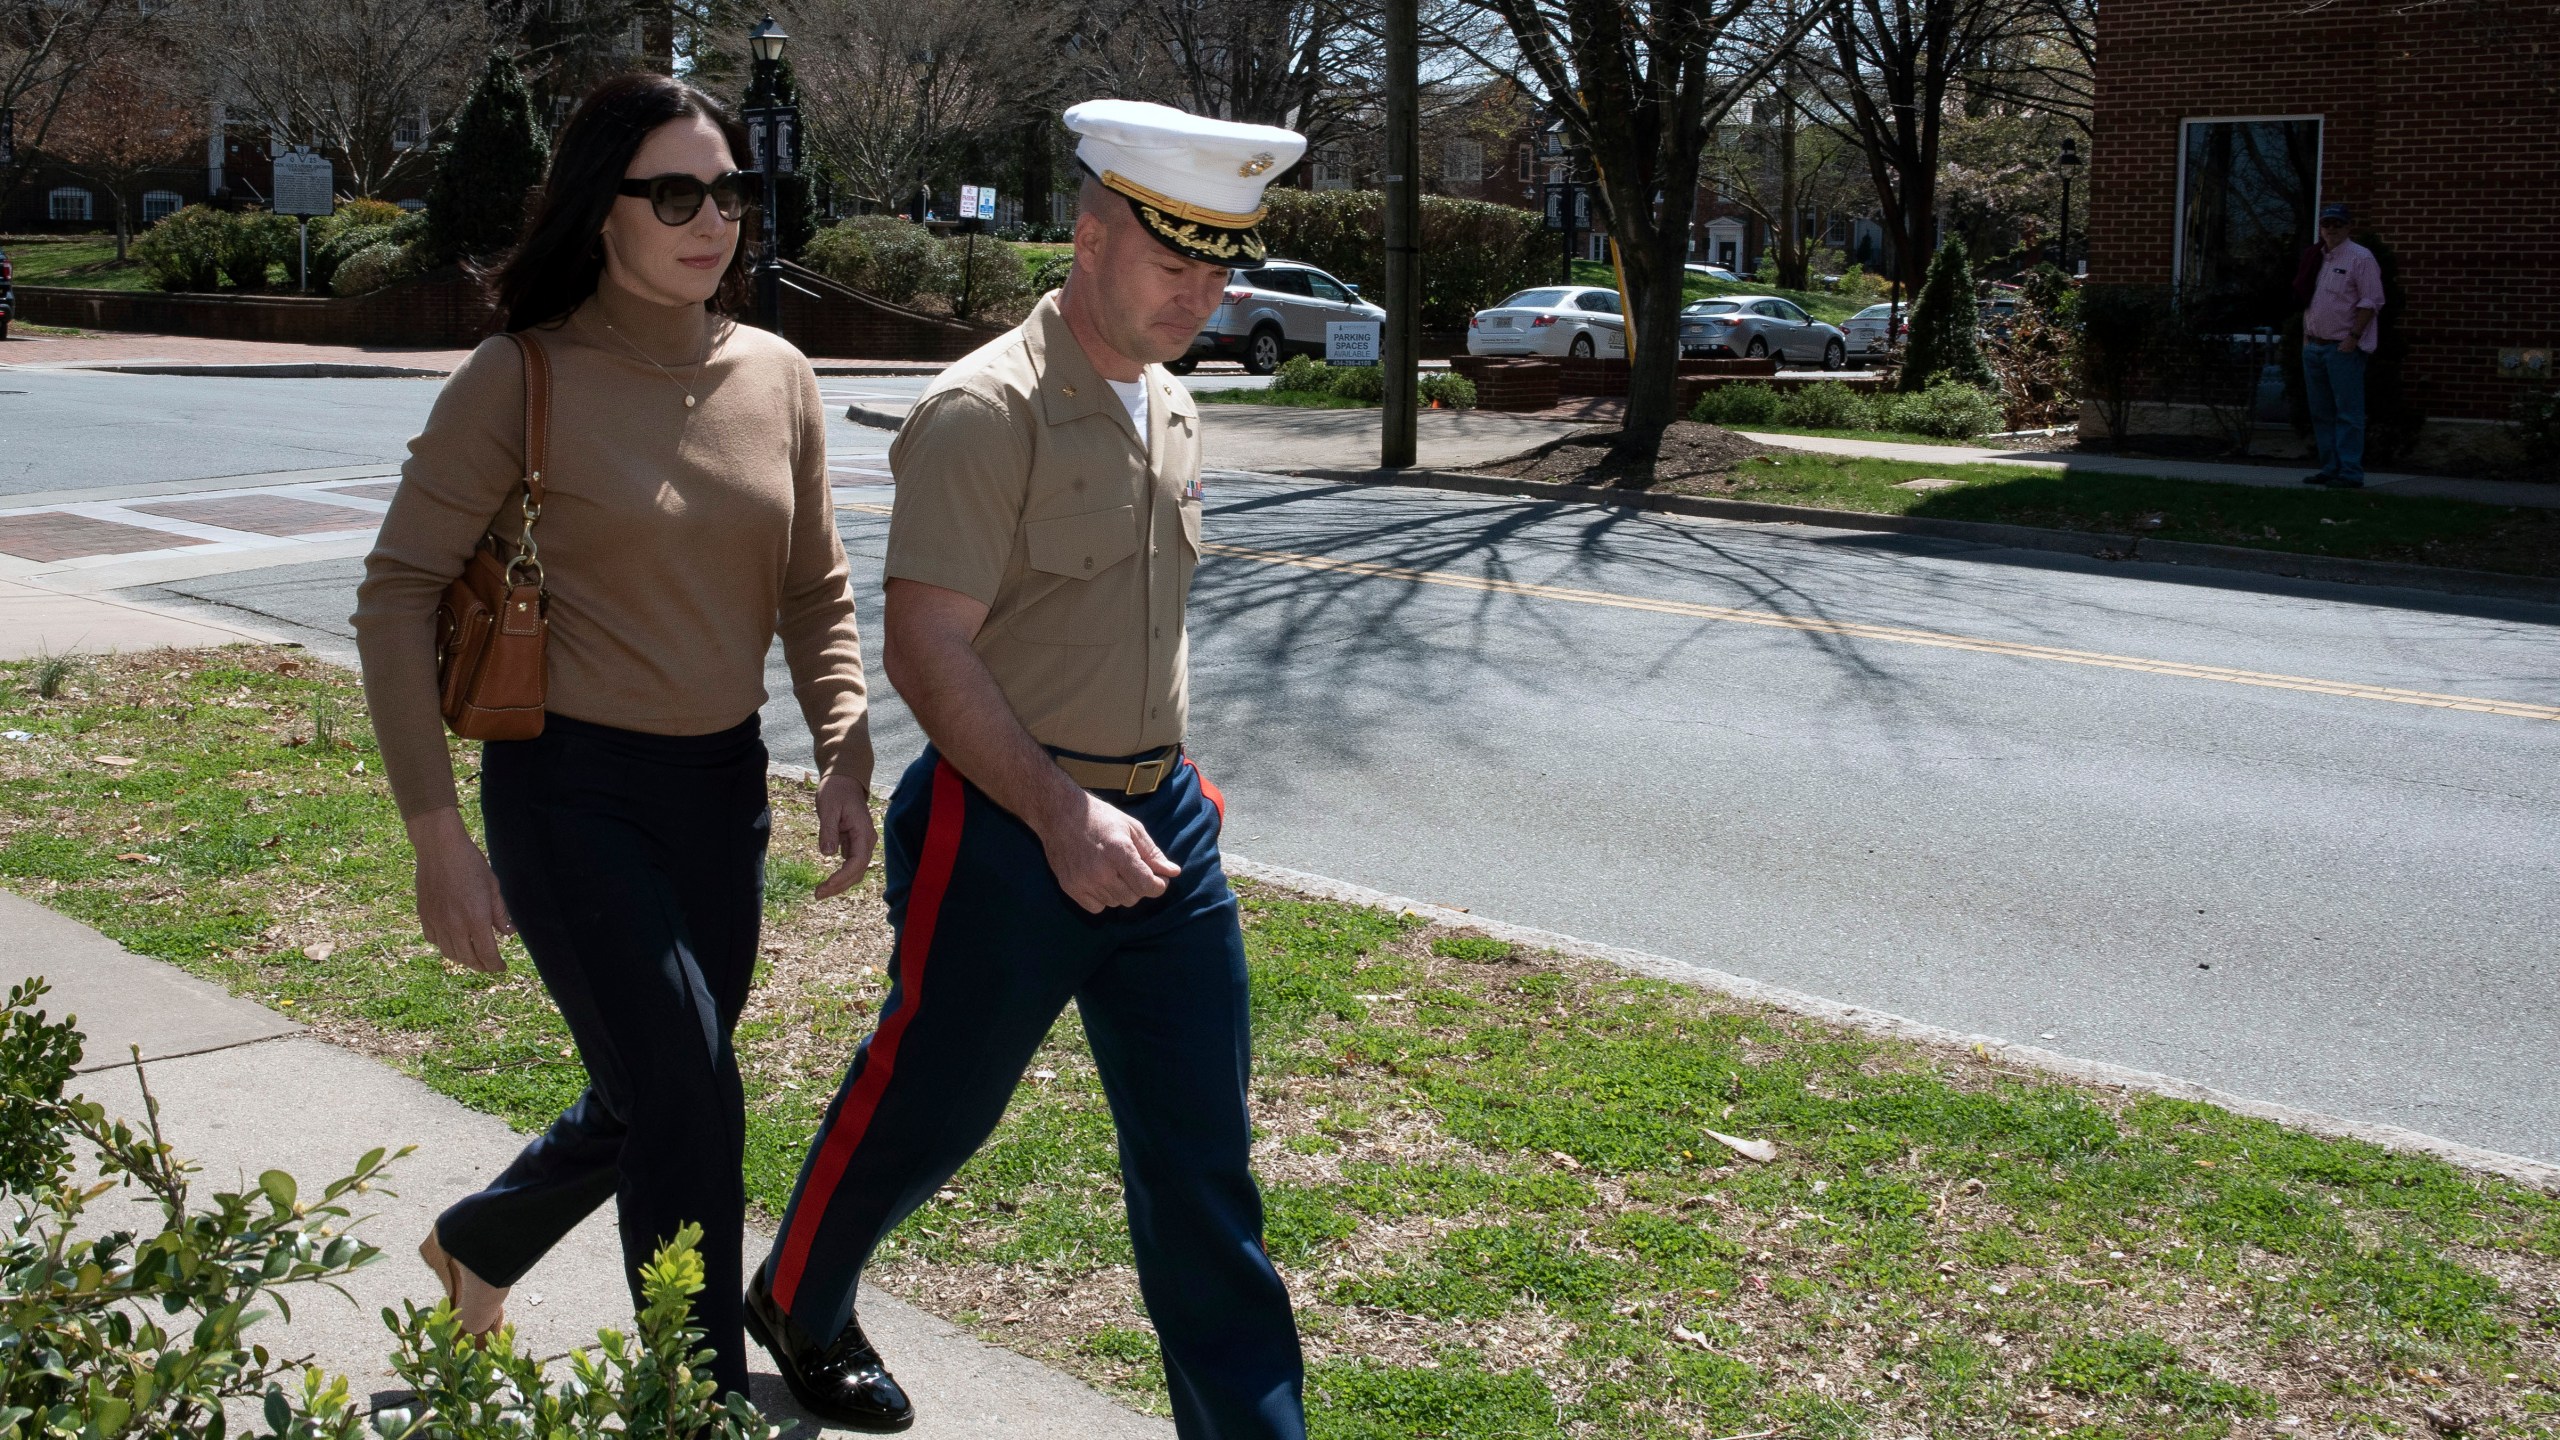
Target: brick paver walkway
{"x": 265, "y": 514}
{"x": 60, "y": 535}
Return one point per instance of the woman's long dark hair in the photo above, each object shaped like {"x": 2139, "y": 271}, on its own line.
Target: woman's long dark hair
{"x": 556, "y": 263}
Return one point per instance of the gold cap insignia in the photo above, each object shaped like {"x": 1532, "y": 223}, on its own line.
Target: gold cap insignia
{"x": 1256, "y": 165}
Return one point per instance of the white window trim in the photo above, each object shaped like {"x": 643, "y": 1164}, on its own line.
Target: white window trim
{"x": 2178, "y": 214}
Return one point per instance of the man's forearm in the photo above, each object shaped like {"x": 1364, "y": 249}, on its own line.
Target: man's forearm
{"x": 2357, "y": 323}
{"x": 966, "y": 716}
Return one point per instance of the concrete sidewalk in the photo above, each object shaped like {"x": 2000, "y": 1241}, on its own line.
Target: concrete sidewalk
{"x": 1279, "y": 440}
{"x": 242, "y": 1090}
{"x": 36, "y": 620}
{"x": 2440, "y": 487}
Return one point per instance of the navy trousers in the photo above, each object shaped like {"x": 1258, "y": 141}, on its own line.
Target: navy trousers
{"x": 989, "y": 952}
{"x": 633, "y": 866}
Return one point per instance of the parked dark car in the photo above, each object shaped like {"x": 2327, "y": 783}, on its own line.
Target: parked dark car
{"x": 8, "y": 296}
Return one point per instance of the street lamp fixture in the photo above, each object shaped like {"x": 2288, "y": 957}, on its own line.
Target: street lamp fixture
{"x": 771, "y": 125}
{"x": 767, "y": 41}
{"x": 2069, "y": 163}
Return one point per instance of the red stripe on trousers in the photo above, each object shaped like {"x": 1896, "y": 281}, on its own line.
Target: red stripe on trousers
{"x": 924, "y": 905}
{"x": 1215, "y": 798}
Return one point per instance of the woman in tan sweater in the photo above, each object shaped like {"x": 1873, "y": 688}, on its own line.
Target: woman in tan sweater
{"x": 687, "y": 525}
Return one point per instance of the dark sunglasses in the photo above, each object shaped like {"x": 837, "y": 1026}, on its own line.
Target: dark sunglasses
{"x": 678, "y": 198}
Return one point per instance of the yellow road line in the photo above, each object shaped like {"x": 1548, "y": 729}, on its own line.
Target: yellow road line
{"x": 1900, "y": 635}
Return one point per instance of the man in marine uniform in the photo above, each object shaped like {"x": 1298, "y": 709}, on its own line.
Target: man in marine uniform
{"x": 1053, "y": 842}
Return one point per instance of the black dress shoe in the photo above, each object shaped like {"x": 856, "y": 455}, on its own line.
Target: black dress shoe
{"x": 844, "y": 1383}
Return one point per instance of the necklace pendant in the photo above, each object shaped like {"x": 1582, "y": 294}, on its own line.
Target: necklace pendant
{"x": 688, "y": 402}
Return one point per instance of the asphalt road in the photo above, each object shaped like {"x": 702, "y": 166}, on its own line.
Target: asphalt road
{"x": 1987, "y": 789}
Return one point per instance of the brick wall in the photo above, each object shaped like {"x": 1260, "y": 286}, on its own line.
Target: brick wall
{"x": 2441, "y": 128}
{"x": 839, "y": 322}
{"x": 442, "y": 310}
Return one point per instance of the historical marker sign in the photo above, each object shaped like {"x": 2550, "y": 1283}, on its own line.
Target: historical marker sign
{"x": 305, "y": 184}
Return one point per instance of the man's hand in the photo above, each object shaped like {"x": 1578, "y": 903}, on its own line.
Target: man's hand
{"x": 1103, "y": 858}
{"x": 844, "y": 828}
{"x": 458, "y": 902}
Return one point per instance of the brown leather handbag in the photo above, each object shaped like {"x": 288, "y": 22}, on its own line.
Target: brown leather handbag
{"x": 492, "y": 626}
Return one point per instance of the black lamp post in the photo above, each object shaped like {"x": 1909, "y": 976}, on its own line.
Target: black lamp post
{"x": 922, "y": 60}
{"x": 768, "y": 125}
{"x": 2068, "y": 163}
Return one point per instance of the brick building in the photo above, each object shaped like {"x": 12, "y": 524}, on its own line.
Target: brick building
{"x": 2223, "y": 125}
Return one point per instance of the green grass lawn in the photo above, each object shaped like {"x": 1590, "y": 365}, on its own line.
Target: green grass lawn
{"x": 1288, "y": 399}
{"x": 87, "y": 262}
{"x": 2519, "y": 540}
{"x": 1898, "y": 437}
{"x": 1820, "y": 304}
{"x": 1491, "y": 1176}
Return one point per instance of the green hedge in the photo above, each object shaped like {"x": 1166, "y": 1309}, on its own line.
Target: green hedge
{"x": 1473, "y": 253}
{"x": 1947, "y": 410}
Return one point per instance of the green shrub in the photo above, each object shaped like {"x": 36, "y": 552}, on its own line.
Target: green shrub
{"x": 1305, "y": 374}
{"x": 983, "y": 276}
{"x": 1050, "y": 273}
{"x": 880, "y": 255}
{"x": 330, "y": 256}
{"x": 1945, "y": 322}
{"x": 1750, "y": 403}
{"x": 134, "y": 1331}
{"x": 2120, "y": 326}
{"x": 1947, "y": 409}
{"x": 2537, "y": 428}
{"x": 385, "y": 262}
{"x": 1829, "y": 405}
{"x": 184, "y": 251}
{"x": 1364, "y": 383}
{"x": 1454, "y": 391}
{"x": 252, "y": 240}
{"x": 1473, "y": 253}
{"x": 493, "y": 161}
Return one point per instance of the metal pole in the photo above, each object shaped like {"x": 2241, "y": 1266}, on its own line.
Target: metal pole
{"x": 769, "y": 160}
{"x": 302, "y": 280}
{"x": 1403, "y": 349}
{"x": 2066, "y": 222}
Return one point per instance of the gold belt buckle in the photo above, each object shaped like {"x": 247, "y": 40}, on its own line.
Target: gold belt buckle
{"x": 1154, "y": 770}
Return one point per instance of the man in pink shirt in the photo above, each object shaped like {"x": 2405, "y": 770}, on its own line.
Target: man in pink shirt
{"x": 2338, "y": 333}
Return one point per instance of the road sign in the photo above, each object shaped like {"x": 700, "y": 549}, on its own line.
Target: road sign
{"x": 1351, "y": 342}
{"x": 782, "y": 124}
{"x": 968, "y": 202}
{"x": 986, "y": 202}
{"x": 304, "y": 184}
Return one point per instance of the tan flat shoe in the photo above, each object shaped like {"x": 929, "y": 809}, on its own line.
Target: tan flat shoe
{"x": 453, "y": 1274}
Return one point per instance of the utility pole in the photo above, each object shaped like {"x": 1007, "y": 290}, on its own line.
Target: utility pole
{"x": 1402, "y": 352}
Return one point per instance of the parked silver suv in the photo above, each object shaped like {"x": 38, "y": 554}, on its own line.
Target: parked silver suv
{"x": 1275, "y": 312}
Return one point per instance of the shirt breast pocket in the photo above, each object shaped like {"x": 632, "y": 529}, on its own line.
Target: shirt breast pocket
{"x": 1092, "y": 595}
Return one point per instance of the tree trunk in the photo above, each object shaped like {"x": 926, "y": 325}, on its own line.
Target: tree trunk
{"x": 1791, "y": 266}
{"x": 124, "y": 225}
{"x": 1039, "y": 169}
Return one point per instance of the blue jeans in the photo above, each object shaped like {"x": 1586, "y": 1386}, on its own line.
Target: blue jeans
{"x": 2333, "y": 381}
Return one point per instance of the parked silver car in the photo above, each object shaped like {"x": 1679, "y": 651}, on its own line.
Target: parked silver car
{"x": 1275, "y": 312}
{"x": 1866, "y": 332}
{"x": 1582, "y": 321}
{"x": 1758, "y": 325}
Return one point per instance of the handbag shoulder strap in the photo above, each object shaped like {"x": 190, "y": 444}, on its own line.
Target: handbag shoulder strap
{"x": 537, "y": 411}
{"x": 537, "y": 451}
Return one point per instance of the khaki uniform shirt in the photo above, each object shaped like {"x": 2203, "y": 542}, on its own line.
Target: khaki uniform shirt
{"x": 1023, "y": 485}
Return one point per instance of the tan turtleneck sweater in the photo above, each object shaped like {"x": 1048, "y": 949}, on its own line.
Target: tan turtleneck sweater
{"x": 676, "y": 542}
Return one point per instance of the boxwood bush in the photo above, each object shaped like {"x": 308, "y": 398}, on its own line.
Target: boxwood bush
{"x": 1749, "y": 403}
{"x": 1473, "y": 253}
{"x": 880, "y": 255}
{"x": 988, "y": 275}
{"x": 184, "y": 251}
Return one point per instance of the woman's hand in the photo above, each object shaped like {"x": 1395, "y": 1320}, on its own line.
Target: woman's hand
{"x": 458, "y": 902}
{"x": 844, "y": 828}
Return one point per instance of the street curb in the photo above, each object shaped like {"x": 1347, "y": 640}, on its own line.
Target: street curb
{"x": 887, "y": 372}
{"x": 2538, "y": 1174}
{"x": 283, "y": 370}
{"x": 877, "y": 419}
{"x": 2096, "y": 544}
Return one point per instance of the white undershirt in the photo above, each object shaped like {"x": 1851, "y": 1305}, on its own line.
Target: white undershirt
{"x": 1133, "y": 395}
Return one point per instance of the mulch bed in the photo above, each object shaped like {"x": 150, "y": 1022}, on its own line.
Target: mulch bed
{"x": 1689, "y": 452}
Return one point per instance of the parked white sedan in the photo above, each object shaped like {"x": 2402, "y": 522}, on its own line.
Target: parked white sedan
{"x": 1582, "y": 321}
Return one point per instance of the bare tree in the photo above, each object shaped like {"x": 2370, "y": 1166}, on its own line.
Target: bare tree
{"x": 120, "y": 123}
{"x": 364, "y": 81}
{"x": 1781, "y": 165}
{"x": 886, "y": 83}
{"x": 1641, "y": 84}
{"x": 1893, "y": 66}
{"x": 45, "y": 46}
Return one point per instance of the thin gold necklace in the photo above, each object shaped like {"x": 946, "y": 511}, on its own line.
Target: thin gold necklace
{"x": 634, "y": 347}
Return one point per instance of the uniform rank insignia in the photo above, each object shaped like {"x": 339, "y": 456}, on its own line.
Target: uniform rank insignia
{"x": 1198, "y": 489}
